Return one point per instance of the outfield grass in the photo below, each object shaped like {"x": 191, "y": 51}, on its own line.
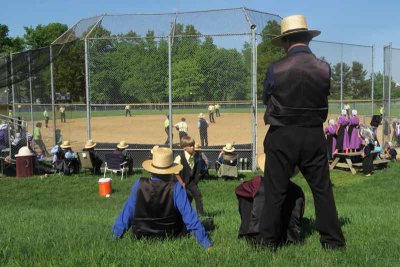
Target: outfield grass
{"x": 61, "y": 221}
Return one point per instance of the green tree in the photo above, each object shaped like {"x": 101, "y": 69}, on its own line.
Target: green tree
{"x": 9, "y": 44}
{"x": 336, "y": 79}
{"x": 42, "y": 36}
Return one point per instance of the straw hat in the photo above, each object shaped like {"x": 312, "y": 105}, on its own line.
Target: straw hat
{"x": 291, "y": 25}
{"x": 228, "y": 148}
{"x": 162, "y": 162}
{"x": 90, "y": 144}
{"x": 201, "y": 116}
{"x": 65, "y": 144}
{"x": 24, "y": 151}
{"x": 122, "y": 145}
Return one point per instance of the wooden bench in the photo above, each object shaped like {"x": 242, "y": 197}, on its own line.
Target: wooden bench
{"x": 382, "y": 163}
{"x": 345, "y": 161}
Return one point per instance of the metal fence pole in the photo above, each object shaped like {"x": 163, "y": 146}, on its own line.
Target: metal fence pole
{"x": 341, "y": 77}
{"x": 88, "y": 108}
{"x": 254, "y": 95}
{"x": 372, "y": 81}
{"x": 30, "y": 88}
{"x": 12, "y": 82}
{"x": 170, "y": 89}
{"x": 52, "y": 95}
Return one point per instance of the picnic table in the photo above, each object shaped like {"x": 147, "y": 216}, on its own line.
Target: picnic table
{"x": 353, "y": 161}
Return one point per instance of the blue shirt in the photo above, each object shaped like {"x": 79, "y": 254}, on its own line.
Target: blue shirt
{"x": 189, "y": 216}
{"x": 269, "y": 77}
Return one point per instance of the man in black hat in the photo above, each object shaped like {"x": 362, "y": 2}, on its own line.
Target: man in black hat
{"x": 296, "y": 90}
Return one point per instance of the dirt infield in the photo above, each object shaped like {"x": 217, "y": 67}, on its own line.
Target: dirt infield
{"x": 149, "y": 129}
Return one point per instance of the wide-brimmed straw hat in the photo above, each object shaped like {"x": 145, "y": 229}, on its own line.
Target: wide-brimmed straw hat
{"x": 201, "y": 116}
{"x": 65, "y": 144}
{"x": 90, "y": 144}
{"x": 228, "y": 148}
{"x": 122, "y": 145}
{"x": 292, "y": 25}
{"x": 162, "y": 162}
{"x": 154, "y": 148}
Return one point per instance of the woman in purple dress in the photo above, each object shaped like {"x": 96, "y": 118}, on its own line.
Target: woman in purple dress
{"x": 342, "y": 140}
{"x": 354, "y": 136}
{"x": 330, "y": 132}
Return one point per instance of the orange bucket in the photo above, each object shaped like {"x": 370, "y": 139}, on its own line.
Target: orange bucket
{"x": 105, "y": 187}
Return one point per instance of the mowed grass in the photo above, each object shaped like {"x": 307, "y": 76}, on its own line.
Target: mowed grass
{"x": 61, "y": 221}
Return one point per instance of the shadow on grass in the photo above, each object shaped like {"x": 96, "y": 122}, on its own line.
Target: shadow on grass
{"x": 309, "y": 226}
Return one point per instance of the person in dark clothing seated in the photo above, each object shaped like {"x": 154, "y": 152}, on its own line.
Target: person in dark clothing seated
{"x": 250, "y": 195}
{"x": 121, "y": 150}
{"x": 158, "y": 206}
{"x": 94, "y": 158}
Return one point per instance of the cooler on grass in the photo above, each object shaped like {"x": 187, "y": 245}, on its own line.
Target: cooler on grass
{"x": 25, "y": 162}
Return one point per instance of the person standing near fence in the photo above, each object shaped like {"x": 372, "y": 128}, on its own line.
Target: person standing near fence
{"x": 217, "y": 107}
{"x": 37, "y": 138}
{"x": 296, "y": 90}
{"x": 62, "y": 113}
{"x": 46, "y": 118}
{"x": 128, "y": 111}
{"x": 182, "y": 128}
{"x": 202, "y": 124}
{"x": 211, "y": 109}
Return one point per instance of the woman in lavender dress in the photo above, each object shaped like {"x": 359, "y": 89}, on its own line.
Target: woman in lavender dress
{"x": 354, "y": 136}
{"x": 330, "y": 132}
{"x": 342, "y": 141}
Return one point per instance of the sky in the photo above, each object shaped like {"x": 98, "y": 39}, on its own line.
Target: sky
{"x": 346, "y": 21}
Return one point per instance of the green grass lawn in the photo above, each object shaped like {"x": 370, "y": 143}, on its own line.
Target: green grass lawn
{"x": 61, "y": 221}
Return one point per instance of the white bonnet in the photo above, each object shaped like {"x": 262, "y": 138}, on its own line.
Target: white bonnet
{"x": 331, "y": 122}
{"x": 354, "y": 112}
{"x": 344, "y": 112}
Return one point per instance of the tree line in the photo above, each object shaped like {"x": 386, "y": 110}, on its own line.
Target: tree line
{"x": 132, "y": 68}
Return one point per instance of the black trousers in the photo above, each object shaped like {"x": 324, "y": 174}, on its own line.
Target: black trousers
{"x": 203, "y": 138}
{"x": 193, "y": 191}
{"x": 63, "y": 117}
{"x": 368, "y": 164}
{"x": 285, "y": 148}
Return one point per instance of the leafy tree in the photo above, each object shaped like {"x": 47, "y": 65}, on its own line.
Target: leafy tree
{"x": 336, "y": 71}
{"x": 360, "y": 88}
{"x": 42, "y": 36}
{"x": 9, "y": 44}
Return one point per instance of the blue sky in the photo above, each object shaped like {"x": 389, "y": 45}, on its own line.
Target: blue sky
{"x": 349, "y": 21}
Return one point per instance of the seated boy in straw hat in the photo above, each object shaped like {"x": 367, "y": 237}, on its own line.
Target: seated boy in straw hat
{"x": 158, "y": 206}
{"x": 94, "y": 158}
{"x": 250, "y": 195}
{"x": 121, "y": 150}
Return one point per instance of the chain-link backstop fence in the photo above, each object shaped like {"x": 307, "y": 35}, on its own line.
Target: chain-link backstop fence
{"x": 134, "y": 77}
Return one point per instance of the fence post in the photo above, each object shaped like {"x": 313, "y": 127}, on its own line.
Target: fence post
{"x": 254, "y": 95}
{"x": 30, "y": 88}
{"x": 89, "y": 130}
{"x": 53, "y": 108}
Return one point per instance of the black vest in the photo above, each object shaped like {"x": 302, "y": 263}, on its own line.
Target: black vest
{"x": 300, "y": 91}
{"x": 155, "y": 213}
{"x": 188, "y": 174}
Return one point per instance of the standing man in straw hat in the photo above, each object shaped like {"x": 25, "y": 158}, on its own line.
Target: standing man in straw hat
{"x": 121, "y": 150}
{"x": 159, "y": 207}
{"x": 202, "y": 124}
{"x": 296, "y": 90}
{"x": 94, "y": 158}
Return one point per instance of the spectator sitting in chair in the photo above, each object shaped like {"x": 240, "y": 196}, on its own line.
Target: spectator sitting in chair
{"x": 228, "y": 154}
{"x": 70, "y": 156}
{"x": 158, "y": 206}
{"x": 121, "y": 150}
{"x": 390, "y": 152}
{"x": 94, "y": 158}
{"x": 4, "y": 142}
